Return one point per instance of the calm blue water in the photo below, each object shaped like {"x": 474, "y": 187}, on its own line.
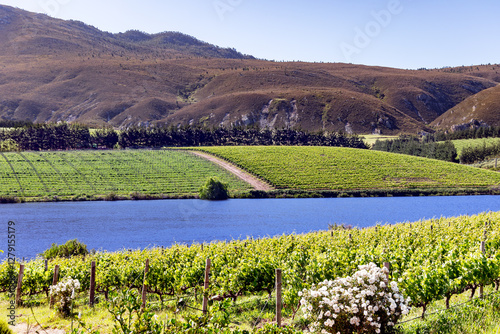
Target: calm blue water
{"x": 139, "y": 224}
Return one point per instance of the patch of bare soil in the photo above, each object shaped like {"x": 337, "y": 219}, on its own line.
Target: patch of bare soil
{"x": 252, "y": 180}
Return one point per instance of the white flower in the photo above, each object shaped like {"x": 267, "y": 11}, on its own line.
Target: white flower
{"x": 346, "y": 299}
{"x": 329, "y": 323}
{"x": 354, "y": 321}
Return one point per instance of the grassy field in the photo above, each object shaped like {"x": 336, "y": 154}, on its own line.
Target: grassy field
{"x": 480, "y": 316}
{"x": 463, "y": 143}
{"x": 330, "y": 168}
{"x": 371, "y": 139}
{"x": 91, "y": 174}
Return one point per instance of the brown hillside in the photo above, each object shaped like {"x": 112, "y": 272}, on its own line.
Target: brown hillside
{"x": 54, "y": 70}
{"x": 482, "y": 108}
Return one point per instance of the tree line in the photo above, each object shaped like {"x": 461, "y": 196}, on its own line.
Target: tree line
{"x": 470, "y": 155}
{"x": 65, "y": 136}
{"x": 14, "y": 124}
{"x": 412, "y": 145}
{"x": 438, "y": 145}
{"x": 471, "y": 133}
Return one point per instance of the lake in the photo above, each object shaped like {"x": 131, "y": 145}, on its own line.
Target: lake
{"x": 138, "y": 224}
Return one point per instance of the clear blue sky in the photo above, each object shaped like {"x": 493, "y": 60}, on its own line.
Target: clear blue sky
{"x": 395, "y": 33}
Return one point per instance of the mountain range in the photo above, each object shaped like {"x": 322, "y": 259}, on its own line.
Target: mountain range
{"x": 55, "y": 70}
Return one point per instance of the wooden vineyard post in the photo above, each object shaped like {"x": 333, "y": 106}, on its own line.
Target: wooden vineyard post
{"x": 388, "y": 266}
{"x": 19, "y": 285}
{"x": 205, "y": 286}
{"x": 54, "y": 282}
{"x": 144, "y": 285}
{"x": 278, "y": 297}
{"x": 483, "y": 251}
{"x": 92, "y": 284}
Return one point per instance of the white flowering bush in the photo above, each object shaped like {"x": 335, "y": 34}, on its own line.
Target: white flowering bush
{"x": 64, "y": 293}
{"x": 363, "y": 303}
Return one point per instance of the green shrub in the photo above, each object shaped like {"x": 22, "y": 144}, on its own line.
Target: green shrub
{"x": 273, "y": 329}
{"x": 70, "y": 248}
{"x": 4, "y": 328}
{"x": 472, "y": 154}
{"x": 8, "y": 145}
{"x": 214, "y": 190}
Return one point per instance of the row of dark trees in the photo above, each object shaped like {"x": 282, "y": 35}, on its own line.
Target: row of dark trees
{"x": 189, "y": 136}
{"x": 412, "y": 145}
{"x": 49, "y": 137}
{"x": 470, "y": 155}
{"x": 65, "y": 136}
{"x": 471, "y": 133}
{"x": 14, "y": 124}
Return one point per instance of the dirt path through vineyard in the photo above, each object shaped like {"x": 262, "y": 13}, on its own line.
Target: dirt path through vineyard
{"x": 252, "y": 180}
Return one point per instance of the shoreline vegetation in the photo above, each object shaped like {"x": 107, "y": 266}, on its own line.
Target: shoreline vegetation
{"x": 259, "y": 194}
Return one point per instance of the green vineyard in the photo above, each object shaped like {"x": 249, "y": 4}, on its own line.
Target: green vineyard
{"x": 334, "y": 168}
{"x": 432, "y": 260}
{"x": 91, "y": 174}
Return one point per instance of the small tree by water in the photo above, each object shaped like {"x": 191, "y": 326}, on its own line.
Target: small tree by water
{"x": 214, "y": 190}
{"x": 70, "y": 248}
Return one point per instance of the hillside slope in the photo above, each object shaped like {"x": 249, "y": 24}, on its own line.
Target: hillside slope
{"x": 55, "y": 70}
{"x": 481, "y": 108}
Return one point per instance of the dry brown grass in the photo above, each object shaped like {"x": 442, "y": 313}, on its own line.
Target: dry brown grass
{"x": 484, "y": 106}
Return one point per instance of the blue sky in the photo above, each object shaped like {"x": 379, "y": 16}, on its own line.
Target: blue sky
{"x": 394, "y": 33}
